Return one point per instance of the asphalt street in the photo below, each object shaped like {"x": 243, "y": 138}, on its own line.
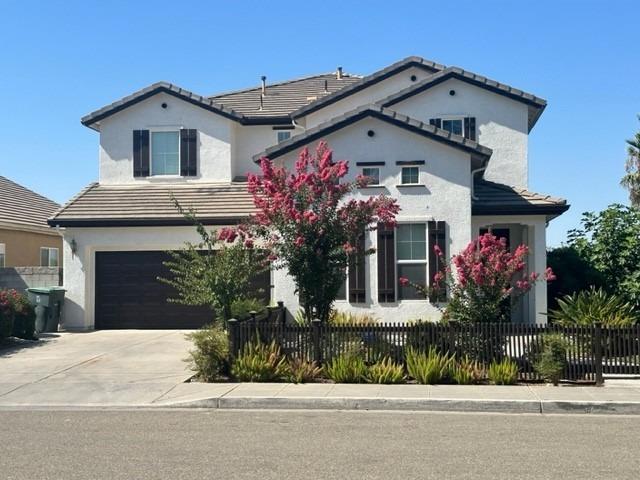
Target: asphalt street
{"x": 210, "y": 444}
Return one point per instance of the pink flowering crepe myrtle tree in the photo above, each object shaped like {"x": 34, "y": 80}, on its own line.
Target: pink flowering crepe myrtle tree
{"x": 485, "y": 280}
{"x": 308, "y": 224}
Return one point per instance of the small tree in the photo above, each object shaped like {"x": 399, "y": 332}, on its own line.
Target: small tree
{"x": 610, "y": 241}
{"x": 309, "y": 226}
{"x": 485, "y": 278}
{"x": 212, "y": 273}
{"x": 631, "y": 181}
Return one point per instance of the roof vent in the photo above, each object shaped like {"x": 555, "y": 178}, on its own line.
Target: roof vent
{"x": 339, "y": 73}
{"x": 326, "y": 86}
{"x": 261, "y": 105}
{"x": 264, "y": 84}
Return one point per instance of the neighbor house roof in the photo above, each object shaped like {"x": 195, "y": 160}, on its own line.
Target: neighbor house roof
{"x": 23, "y": 208}
{"x": 384, "y": 114}
{"x": 367, "y": 81}
{"x": 149, "y": 205}
{"x": 536, "y": 104}
{"x": 498, "y": 199}
{"x": 283, "y": 98}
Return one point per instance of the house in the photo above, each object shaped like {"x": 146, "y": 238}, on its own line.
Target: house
{"x": 26, "y": 240}
{"x": 450, "y": 145}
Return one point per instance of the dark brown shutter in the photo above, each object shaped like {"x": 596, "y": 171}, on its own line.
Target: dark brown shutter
{"x": 386, "y": 264}
{"x": 357, "y": 287}
{"x": 188, "y": 152}
{"x": 436, "y": 122}
{"x": 470, "y": 128}
{"x": 437, "y": 236}
{"x": 141, "y": 153}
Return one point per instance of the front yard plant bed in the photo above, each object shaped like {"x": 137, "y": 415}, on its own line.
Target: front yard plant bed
{"x": 500, "y": 353}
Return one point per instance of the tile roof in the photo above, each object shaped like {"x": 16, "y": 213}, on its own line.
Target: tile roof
{"x": 536, "y": 104}
{"x": 367, "y": 81}
{"x": 381, "y": 113}
{"x": 283, "y": 98}
{"x": 498, "y": 199}
{"x": 22, "y": 207}
{"x": 136, "y": 205}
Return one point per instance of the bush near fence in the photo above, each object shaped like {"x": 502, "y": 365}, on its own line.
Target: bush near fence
{"x": 591, "y": 350}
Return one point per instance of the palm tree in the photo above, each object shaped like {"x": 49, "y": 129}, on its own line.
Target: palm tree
{"x": 631, "y": 181}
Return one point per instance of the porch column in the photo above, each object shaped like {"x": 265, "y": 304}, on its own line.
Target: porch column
{"x": 538, "y": 263}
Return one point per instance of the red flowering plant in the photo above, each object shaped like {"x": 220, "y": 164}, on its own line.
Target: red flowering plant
{"x": 483, "y": 281}
{"x": 8, "y": 305}
{"x": 309, "y": 225}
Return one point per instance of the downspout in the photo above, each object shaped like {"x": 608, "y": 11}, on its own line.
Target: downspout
{"x": 473, "y": 174}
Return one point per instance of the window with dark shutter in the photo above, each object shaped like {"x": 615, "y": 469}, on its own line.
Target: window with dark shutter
{"x": 470, "y": 128}
{"x": 437, "y": 237}
{"x": 141, "y": 153}
{"x": 357, "y": 287}
{"x": 436, "y": 122}
{"x": 188, "y": 152}
{"x": 386, "y": 264}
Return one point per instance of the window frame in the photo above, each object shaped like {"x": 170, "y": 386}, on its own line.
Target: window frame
{"x": 402, "y": 183}
{"x": 424, "y": 261}
{"x": 161, "y": 130}
{"x": 284, "y": 132}
{"x": 48, "y": 250}
{"x": 451, "y": 118}
{"x": 3, "y": 255}
{"x": 377, "y": 184}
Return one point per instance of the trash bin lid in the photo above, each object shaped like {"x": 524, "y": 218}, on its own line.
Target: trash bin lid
{"x": 45, "y": 290}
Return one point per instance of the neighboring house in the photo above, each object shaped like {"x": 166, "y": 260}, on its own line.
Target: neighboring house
{"x": 450, "y": 145}
{"x": 26, "y": 240}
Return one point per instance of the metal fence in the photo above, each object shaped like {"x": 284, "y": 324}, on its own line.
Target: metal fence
{"x": 592, "y": 351}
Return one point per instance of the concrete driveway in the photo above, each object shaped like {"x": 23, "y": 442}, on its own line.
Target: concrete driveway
{"x": 125, "y": 367}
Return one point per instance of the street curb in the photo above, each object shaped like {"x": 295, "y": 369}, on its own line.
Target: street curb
{"x": 590, "y": 407}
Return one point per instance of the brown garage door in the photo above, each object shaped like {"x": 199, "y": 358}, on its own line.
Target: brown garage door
{"x": 128, "y": 294}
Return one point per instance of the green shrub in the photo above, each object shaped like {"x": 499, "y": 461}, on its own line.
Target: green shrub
{"x": 209, "y": 358}
{"x": 300, "y": 370}
{"x": 240, "y": 308}
{"x": 504, "y": 372}
{"x": 259, "y": 362}
{"x": 385, "y": 371}
{"x": 338, "y": 318}
{"x": 467, "y": 371}
{"x": 594, "y": 306}
{"x": 553, "y": 358}
{"x": 24, "y": 321}
{"x": 8, "y": 302}
{"x": 428, "y": 368}
{"x": 347, "y": 369}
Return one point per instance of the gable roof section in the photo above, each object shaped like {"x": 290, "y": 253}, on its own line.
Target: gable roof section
{"x": 283, "y": 98}
{"x": 24, "y": 208}
{"x": 151, "y": 205}
{"x": 498, "y": 199}
{"x": 367, "y": 81}
{"x": 91, "y": 119}
{"x": 536, "y": 104}
{"x": 381, "y": 113}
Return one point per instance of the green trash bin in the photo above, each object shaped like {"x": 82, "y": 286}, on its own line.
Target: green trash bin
{"x": 48, "y": 303}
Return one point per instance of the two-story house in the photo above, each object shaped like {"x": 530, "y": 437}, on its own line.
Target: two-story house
{"x": 450, "y": 145}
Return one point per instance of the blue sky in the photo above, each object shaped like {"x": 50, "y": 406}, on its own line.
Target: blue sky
{"x": 61, "y": 60}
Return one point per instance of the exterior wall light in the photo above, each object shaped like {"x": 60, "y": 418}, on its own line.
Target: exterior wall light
{"x": 452, "y": 92}
{"x": 370, "y": 133}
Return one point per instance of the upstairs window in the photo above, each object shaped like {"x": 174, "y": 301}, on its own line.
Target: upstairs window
{"x": 48, "y": 257}
{"x": 373, "y": 173}
{"x": 2, "y": 255}
{"x": 453, "y": 125}
{"x": 283, "y": 135}
{"x": 410, "y": 176}
{"x": 165, "y": 153}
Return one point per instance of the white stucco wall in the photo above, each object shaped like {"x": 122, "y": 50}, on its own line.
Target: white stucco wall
{"x": 371, "y": 94}
{"x": 116, "y": 140}
{"x": 445, "y": 196}
{"x": 501, "y": 124}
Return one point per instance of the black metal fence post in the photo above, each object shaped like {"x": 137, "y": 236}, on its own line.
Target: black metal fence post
{"x": 316, "y": 325}
{"x": 597, "y": 353}
{"x": 232, "y": 332}
{"x": 283, "y": 316}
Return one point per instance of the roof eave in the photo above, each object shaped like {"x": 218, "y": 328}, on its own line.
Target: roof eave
{"x": 140, "y": 222}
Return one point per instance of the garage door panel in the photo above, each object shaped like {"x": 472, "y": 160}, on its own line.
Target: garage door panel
{"x": 128, "y": 294}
